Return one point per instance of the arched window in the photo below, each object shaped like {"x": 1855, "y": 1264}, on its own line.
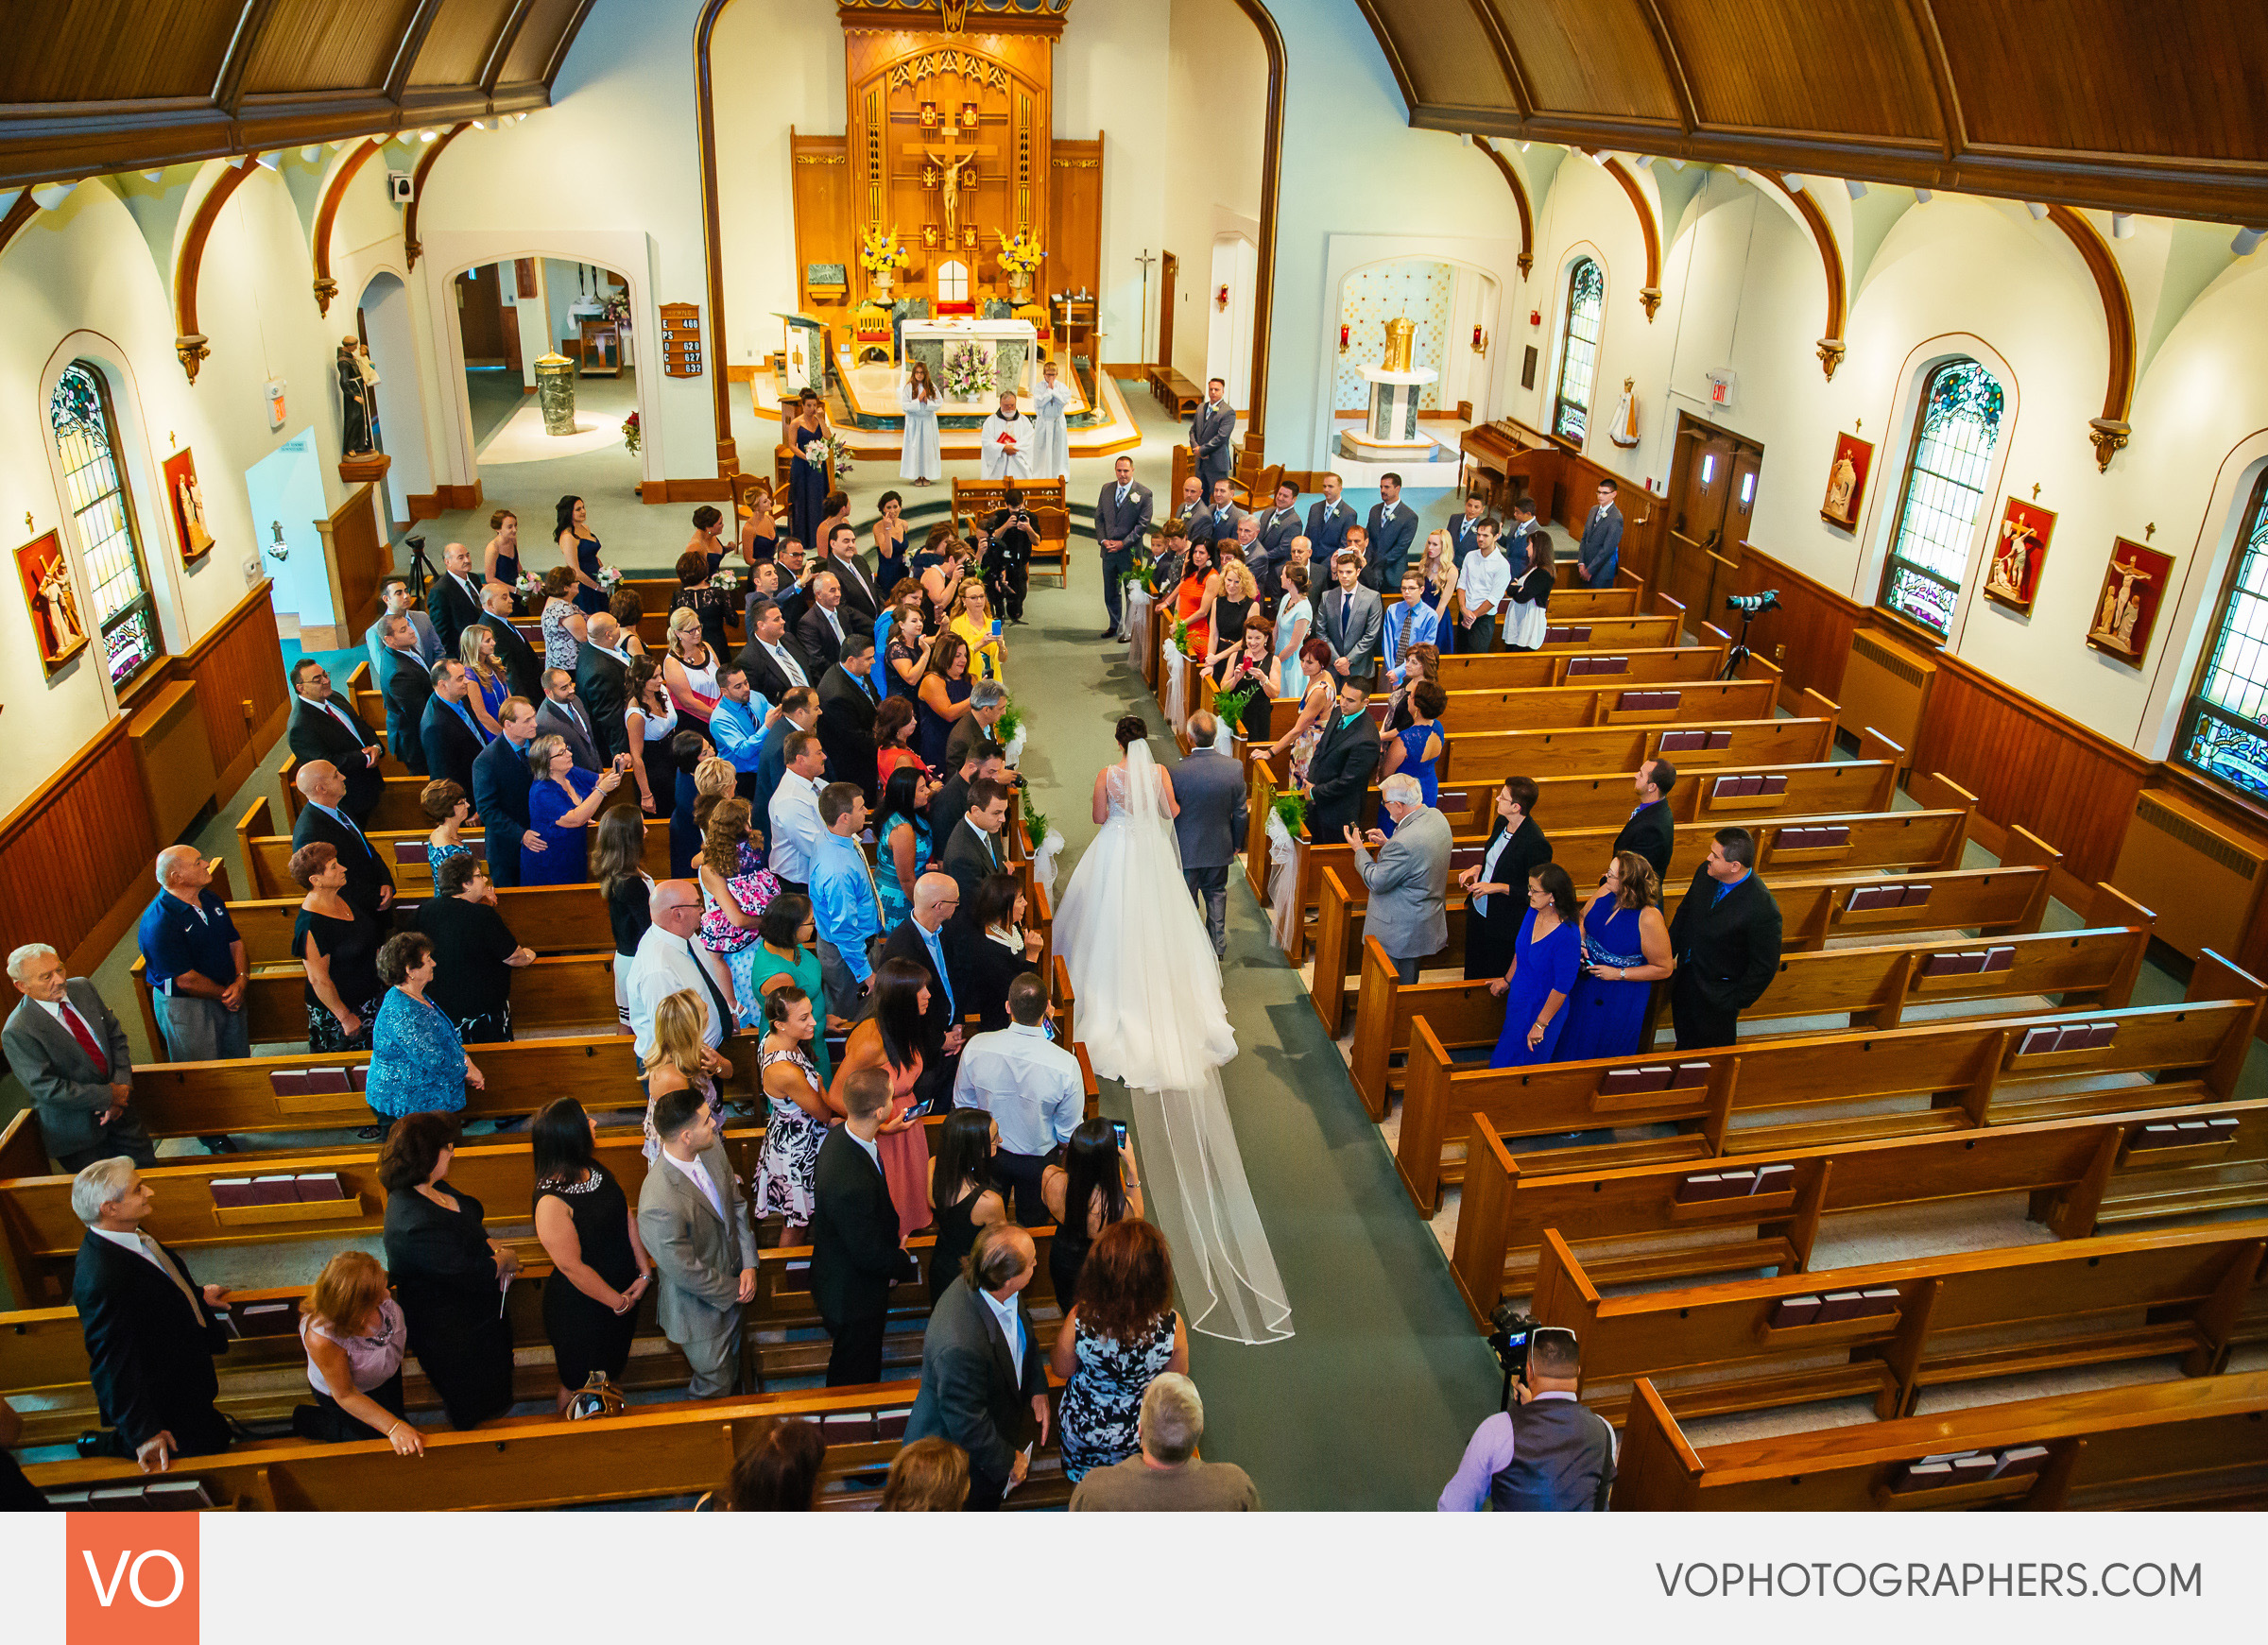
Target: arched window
{"x": 2225, "y": 729}
{"x": 86, "y": 437}
{"x": 1578, "y": 349}
{"x": 1954, "y": 431}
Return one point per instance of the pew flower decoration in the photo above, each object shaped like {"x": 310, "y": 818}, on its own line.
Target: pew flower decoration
{"x": 1046, "y": 843}
{"x": 967, "y": 373}
{"x": 1181, "y": 637}
{"x": 1291, "y": 810}
{"x": 1229, "y": 706}
{"x": 630, "y": 435}
{"x": 1008, "y": 732}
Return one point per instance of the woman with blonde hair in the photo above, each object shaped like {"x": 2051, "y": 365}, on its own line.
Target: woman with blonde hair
{"x": 1239, "y": 597}
{"x": 695, "y": 801}
{"x": 1625, "y": 951}
{"x": 689, "y": 669}
{"x": 355, "y": 1335}
{"x": 678, "y": 1062}
{"x": 477, "y": 650}
{"x": 928, "y": 1476}
{"x": 988, "y": 656}
{"x": 736, "y": 889}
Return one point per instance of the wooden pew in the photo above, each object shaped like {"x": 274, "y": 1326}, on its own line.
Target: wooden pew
{"x": 1943, "y": 1320}
{"x": 552, "y": 919}
{"x": 267, "y": 854}
{"x": 2198, "y": 1444}
{"x": 2081, "y": 1174}
{"x": 1697, "y": 751}
{"x": 557, "y": 994}
{"x": 2087, "y": 969}
{"x": 1916, "y": 840}
{"x": 2011, "y": 897}
{"x": 1611, "y": 633}
{"x": 647, "y": 1452}
{"x": 1833, "y": 1087}
{"x": 974, "y": 499}
{"x": 1589, "y": 605}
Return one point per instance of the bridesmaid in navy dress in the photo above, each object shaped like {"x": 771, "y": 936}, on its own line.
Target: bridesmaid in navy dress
{"x": 579, "y": 552}
{"x": 807, "y": 474}
{"x": 1545, "y": 958}
{"x": 1625, "y": 951}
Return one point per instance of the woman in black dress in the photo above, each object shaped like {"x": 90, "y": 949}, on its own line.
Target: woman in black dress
{"x": 1094, "y": 1187}
{"x": 448, "y": 1274}
{"x": 960, "y": 1186}
{"x": 628, "y": 892}
{"x": 599, "y": 1268}
{"x": 999, "y": 949}
{"x": 476, "y": 953}
{"x": 339, "y": 944}
{"x": 1496, "y": 885}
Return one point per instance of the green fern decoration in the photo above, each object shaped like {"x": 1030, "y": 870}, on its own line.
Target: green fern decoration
{"x": 1293, "y": 809}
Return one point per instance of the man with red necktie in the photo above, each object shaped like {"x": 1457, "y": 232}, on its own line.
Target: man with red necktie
{"x": 70, "y": 1051}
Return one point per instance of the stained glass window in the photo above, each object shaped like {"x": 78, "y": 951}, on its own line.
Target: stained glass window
{"x": 86, "y": 438}
{"x": 2225, "y": 732}
{"x": 1955, "y": 432}
{"x": 1579, "y": 349}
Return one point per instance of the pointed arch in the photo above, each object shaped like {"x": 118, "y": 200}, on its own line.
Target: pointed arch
{"x": 1649, "y": 295}
{"x": 410, "y": 245}
{"x": 327, "y": 214}
{"x": 2110, "y": 431}
{"x": 1831, "y": 260}
{"x": 1520, "y": 198}
{"x": 190, "y": 343}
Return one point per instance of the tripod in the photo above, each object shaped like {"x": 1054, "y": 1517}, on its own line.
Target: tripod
{"x": 422, "y": 574}
{"x": 1740, "y": 652}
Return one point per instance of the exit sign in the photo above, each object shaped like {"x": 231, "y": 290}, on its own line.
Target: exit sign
{"x": 1719, "y": 385}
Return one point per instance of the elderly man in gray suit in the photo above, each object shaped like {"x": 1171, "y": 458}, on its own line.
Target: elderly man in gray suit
{"x": 693, "y": 1222}
{"x": 1209, "y": 786}
{"x": 1211, "y": 430}
{"x": 1121, "y": 519}
{"x": 1408, "y": 879}
{"x": 69, "y": 1049}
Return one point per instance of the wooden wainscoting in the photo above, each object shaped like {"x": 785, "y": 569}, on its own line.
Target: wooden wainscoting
{"x": 241, "y": 691}
{"x": 1563, "y": 482}
{"x": 74, "y": 857}
{"x": 1809, "y": 636}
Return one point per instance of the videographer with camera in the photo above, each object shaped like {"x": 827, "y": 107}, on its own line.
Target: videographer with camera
{"x": 1008, "y": 560}
{"x": 1544, "y": 1453}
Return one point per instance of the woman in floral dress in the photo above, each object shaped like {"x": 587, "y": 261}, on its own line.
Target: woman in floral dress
{"x": 798, "y": 1117}
{"x": 1120, "y": 1335}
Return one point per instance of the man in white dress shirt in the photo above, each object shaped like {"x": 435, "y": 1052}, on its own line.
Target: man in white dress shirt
{"x": 670, "y": 961}
{"x": 797, "y": 832}
{"x": 1481, "y": 586}
{"x": 1030, "y": 1086}
{"x": 1008, "y": 438}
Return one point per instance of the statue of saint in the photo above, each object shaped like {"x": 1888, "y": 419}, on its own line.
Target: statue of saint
{"x": 1841, "y": 480}
{"x": 358, "y": 400}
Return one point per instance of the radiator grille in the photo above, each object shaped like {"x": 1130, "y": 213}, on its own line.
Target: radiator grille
{"x": 2215, "y": 848}
{"x": 1884, "y": 658}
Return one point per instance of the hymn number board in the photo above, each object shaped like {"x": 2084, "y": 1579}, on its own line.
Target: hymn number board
{"x": 949, "y": 138}
{"x": 681, "y": 339}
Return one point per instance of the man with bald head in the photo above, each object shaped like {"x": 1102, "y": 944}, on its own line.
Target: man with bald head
{"x": 454, "y": 597}
{"x": 984, "y": 1379}
{"x": 370, "y": 882}
{"x": 668, "y": 962}
{"x": 521, "y": 665}
{"x": 602, "y": 680}
{"x": 194, "y": 962}
{"x": 931, "y": 937}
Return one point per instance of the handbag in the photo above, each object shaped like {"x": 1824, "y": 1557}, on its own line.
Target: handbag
{"x": 596, "y": 1398}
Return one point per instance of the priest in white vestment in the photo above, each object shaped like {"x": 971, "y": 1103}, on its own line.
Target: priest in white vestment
{"x": 1008, "y": 438}
{"x": 1051, "y": 445}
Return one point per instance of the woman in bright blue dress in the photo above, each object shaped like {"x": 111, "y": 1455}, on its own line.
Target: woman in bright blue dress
{"x": 562, "y": 802}
{"x": 1625, "y": 951}
{"x": 1418, "y": 748}
{"x": 1545, "y": 959}
{"x": 418, "y": 1063}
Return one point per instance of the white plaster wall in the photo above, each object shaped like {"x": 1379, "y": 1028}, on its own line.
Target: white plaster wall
{"x": 1109, "y": 65}
{"x": 1215, "y": 119}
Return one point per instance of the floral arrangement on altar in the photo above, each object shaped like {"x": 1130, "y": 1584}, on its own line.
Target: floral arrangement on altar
{"x": 968, "y": 372}
{"x": 839, "y": 452}
{"x": 1020, "y": 255}
{"x": 878, "y": 253}
{"x": 630, "y": 435}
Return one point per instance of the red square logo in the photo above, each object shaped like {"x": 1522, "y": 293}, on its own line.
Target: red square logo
{"x": 131, "y": 1579}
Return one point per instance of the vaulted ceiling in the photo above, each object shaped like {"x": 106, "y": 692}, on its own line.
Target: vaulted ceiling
{"x": 91, "y": 86}
{"x": 2132, "y": 105}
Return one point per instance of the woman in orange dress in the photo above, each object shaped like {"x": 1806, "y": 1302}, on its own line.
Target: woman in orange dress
{"x": 891, "y": 1041}
{"x": 1193, "y": 601}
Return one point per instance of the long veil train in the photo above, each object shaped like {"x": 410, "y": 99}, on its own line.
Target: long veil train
{"x": 1149, "y": 1012}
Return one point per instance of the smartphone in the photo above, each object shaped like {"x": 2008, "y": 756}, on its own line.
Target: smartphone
{"x": 1120, "y": 1126}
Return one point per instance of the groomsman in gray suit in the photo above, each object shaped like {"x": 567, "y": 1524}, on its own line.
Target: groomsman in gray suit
{"x": 1209, "y": 786}
{"x": 1210, "y": 433}
{"x": 693, "y": 1218}
{"x": 1408, "y": 879}
{"x": 1351, "y": 618}
{"x": 1121, "y": 519}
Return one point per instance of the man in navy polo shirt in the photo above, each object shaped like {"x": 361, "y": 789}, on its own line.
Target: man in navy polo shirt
{"x": 194, "y": 961}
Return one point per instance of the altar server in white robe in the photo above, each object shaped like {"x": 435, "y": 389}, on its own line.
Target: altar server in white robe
{"x": 1008, "y": 436}
{"x": 1051, "y": 446}
{"x": 919, "y": 400}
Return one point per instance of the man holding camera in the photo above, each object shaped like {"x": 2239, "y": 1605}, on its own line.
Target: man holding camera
{"x": 1546, "y": 1454}
{"x": 1011, "y": 538}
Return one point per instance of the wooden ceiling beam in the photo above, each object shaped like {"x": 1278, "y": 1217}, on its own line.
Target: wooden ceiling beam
{"x": 1831, "y": 262}
{"x": 1507, "y": 55}
{"x": 1520, "y": 198}
{"x": 405, "y": 52}
{"x": 1941, "y": 77}
{"x": 228, "y": 91}
{"x": 500, "y": 47}
{"x": 411, "y": 246}
{"x": 1673, "y": 62}
{"x": 326, "y": 214}
{"x": 2110, "y": 431}
{"x": 558, "y": 50}
{"x": 1649, "y": 295}
{"x": 18, "y": 215}
{"x": 1395, "y": 64}
{"x": 189, "y": 343}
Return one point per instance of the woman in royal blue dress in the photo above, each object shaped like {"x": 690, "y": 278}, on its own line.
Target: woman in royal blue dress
{"x": 578, "y": 552}
{"x": 1545, "y": 959}
{"x": 1625, "y": 951}
{"x": 563, "y": 800}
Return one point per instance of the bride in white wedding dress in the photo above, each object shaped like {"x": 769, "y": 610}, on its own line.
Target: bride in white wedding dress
{"x": 1148, "y": 1010}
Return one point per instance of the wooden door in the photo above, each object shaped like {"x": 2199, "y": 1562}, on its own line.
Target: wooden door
{"x": 1169, "y": 267}
{"x": 480, "y": 315}
{"x": 1712, "y": 499}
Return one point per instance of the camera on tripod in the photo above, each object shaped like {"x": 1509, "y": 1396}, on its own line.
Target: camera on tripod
{"x": 1753, "y": 606}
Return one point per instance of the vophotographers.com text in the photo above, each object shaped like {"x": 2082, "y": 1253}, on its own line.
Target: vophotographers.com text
{"x": 1914, "y": 1579}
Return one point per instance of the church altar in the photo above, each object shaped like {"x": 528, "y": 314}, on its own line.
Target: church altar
{"x": 1008, "y": 346}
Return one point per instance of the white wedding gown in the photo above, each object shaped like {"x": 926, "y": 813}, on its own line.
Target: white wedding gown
{"x": 1148, "y": 1009}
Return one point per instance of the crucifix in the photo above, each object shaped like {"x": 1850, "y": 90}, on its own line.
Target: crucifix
{"x": 1146, "y": 260}
{"x": 944, "y": 172}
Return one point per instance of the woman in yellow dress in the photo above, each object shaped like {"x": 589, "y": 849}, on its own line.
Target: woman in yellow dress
{"x": 987, "y": 658}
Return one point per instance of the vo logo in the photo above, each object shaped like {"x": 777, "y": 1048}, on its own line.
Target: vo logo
{"x": 132, "y": 1579}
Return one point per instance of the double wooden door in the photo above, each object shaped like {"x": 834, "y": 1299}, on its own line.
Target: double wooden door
{"x": 1713, "y": 480}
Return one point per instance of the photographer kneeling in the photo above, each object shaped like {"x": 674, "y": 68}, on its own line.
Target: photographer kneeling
{"x": 1546, "y": 1454}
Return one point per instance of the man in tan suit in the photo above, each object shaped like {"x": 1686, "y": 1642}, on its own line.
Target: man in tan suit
{"x": 693, "y": 1222}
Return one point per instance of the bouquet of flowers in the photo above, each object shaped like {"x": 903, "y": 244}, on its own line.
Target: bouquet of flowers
{"x": 529, "y": 586}
{"x": 608, "y": 576}
{"x": 725, "y": 580}
{"x": 1019, "y": 255}
{"x": 878, "y": 252}
{"x": 630, "y": 435}
{"x": 618, "y": 307}
{"x": 968, "y": 372}
{"x": 838, "y": 451}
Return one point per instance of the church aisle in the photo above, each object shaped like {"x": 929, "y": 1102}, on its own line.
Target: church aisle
{"x": 1370, "y": 1402}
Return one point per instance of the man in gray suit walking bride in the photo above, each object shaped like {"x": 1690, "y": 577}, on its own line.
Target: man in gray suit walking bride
{"x": 1209, "y": 785}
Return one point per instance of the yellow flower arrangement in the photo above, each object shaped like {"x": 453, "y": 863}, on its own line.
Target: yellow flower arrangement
{"x": 1019, "y": 255}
